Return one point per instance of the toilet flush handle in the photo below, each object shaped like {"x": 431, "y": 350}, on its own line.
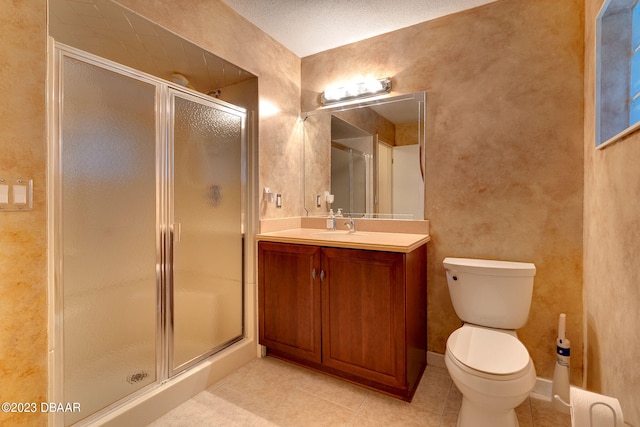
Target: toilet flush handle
{"x": 452, "y": 274}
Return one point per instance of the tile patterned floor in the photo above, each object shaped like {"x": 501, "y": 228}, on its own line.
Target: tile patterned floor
{"x": 270, "y": 392}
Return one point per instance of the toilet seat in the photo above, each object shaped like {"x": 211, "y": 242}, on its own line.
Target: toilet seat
{"x": 488, "y": 353}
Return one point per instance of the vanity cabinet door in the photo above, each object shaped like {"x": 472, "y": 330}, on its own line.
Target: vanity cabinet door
{"x": 363, "y": 312}
{"x": 289, "y": 300}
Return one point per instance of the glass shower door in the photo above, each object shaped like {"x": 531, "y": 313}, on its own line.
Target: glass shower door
{"x": 358, "y": 182}
{"x": 348, "y": 179}
{"x": 106, "y": 235}
{"x": 149, "y": 200}
{"x": 209, "y": 179}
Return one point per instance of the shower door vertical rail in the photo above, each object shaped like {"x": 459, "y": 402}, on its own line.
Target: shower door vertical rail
{"x": 208, "y": 179}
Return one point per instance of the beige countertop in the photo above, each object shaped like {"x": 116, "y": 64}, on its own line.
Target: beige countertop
{"x": 368, "y": 240}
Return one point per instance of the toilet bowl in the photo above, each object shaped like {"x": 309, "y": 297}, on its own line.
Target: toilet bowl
{"x": 494, "y": 373}
{"x": 486, "y": 361}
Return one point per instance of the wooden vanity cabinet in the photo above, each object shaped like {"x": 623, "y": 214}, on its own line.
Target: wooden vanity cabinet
{"x": 356, "y": 314}
{"x": 289, "y": 300}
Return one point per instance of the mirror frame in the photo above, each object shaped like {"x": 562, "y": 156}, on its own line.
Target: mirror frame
{"x": 309, "y": 205}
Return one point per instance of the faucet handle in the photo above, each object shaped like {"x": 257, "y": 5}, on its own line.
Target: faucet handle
{"x": 352, "y": 225}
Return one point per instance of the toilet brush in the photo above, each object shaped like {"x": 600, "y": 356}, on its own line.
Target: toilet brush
{"x": 560, "y": 388}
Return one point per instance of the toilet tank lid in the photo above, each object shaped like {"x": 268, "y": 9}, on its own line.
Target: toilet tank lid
{"x": 490, "y": 267}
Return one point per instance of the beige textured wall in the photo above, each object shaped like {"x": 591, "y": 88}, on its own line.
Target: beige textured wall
{"x": 611, "y": 252}
{"x": 217, "y": 28}
{"x": 504, "y": 181}
{"x": 505, "y": 159}
{"x": 23, "y": 236}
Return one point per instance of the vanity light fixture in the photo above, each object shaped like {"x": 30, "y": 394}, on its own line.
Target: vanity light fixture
{"x": 356, "y": 90}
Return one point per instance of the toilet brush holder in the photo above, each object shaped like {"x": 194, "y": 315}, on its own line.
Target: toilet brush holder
{"x": 560, "y": 385}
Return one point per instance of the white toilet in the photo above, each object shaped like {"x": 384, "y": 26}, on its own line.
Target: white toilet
{"x": 489, "y": 365}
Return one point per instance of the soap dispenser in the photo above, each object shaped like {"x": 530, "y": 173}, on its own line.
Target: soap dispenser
{"x": 331, "y": 221}
{"x": 339, "y": 214}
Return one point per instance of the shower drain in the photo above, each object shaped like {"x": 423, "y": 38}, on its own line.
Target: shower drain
{"x": 138, "y": 376}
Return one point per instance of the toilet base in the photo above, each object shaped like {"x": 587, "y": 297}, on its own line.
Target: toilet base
{"x": 471, "y": 415}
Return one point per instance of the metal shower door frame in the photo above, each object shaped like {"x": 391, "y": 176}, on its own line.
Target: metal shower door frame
{"x": 172, "y": 227}
{"x": 164, "y": 228}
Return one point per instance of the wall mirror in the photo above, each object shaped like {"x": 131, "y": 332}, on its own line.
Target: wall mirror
{"x": 369, "y": 156}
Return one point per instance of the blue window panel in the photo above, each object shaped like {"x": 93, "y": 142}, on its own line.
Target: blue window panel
{"x": 634, "y": 112}
{"x": 635, "y": 27}
{"x": 634, "y": 79}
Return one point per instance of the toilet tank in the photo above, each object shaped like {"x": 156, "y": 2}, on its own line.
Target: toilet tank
{"x": 495, "y": 294}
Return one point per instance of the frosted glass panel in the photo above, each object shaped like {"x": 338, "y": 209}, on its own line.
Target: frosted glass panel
{"x": 635, "y": 28}
{"x": 208, "y": 244}
{"x": 359, "y": 183}
{"x": 348, "y": 180}
{"x": 385, "y": 181}
{"x": 341, "y": 179}
{"x": 634, "y": 111}
{"x": 108, "y": 235}
{"x": 635, "y": 75}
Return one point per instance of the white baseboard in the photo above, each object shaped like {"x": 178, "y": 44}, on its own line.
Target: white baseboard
{"x": 542, "y": 389}
{"x": 435, "y": 359}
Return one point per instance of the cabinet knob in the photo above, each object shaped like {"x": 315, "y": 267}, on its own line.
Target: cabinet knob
{"x": 322, "y": 275}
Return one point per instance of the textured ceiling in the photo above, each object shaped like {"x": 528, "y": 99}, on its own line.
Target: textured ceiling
{"x": 310, "y": 26}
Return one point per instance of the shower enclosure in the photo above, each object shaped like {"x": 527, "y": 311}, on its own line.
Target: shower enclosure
{"x": 149, "y": 199}
{"x": 350, "y": 181}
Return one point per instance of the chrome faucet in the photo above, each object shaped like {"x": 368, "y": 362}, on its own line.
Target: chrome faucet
{"x": 352, "y": 225}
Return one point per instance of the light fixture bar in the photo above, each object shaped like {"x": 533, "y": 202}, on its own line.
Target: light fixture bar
{"x": 348, "y": 92}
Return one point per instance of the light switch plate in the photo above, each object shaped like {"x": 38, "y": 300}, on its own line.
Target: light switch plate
{"x": 4, "y": 194}
{"x": 19, "y": 194}
{"x": 16, "y": 194}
